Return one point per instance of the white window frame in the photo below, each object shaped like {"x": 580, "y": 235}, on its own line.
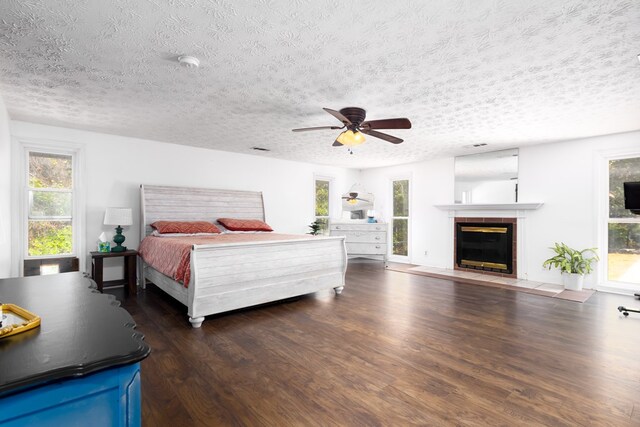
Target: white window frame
{"x": 20, "y": 198}
{"x": 330, "y": 180}
{"x": 602, "y": 206}
{"x": 392, "y": 257}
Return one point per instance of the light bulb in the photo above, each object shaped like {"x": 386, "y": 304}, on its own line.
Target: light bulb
{"x": 350, "y": 138}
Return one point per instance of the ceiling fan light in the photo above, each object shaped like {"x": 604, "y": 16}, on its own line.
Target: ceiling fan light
{"x": 350, "y": 138}
{"x": 352, "y": 201}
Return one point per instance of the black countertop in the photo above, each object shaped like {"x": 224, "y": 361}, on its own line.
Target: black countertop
{"x": 82, "y": 331}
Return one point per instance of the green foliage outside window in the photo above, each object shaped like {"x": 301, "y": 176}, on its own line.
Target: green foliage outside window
{"x": 322, "y": 206}
{"x": 400, "y": 237}
{"x": 401, "y": 198}
{"x": 401, "y": 225}
{"x": 49, "y": 171}
{"x": 623, "y": 237}
{"x": 50, "y": 238}
{"x": 50, "y": 204}
{"x": 322, "y": 198}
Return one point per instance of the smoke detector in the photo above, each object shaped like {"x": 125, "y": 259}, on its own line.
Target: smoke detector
{"x": 189, "y": 61}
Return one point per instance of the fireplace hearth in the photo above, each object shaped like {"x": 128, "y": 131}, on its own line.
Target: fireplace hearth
{"x": 486, "y": 245}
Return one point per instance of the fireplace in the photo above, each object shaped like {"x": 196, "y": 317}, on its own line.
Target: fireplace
{"x": 486, "y": 244}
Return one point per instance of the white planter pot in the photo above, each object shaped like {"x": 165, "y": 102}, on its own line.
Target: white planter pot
{"x": 572, "y": 281}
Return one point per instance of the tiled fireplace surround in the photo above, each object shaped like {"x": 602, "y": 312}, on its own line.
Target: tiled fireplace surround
{"x": 514, "y": 213}
{"x": 495, "y": 220}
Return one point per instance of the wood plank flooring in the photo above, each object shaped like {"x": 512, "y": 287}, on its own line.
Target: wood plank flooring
{"x": 393, "y": 349}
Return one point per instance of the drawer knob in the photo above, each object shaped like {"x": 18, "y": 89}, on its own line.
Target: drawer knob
{"x": 337, "y": 228}
{"x": 377, "y": 246}
{"x": 378, "y": 238}
{"x": 377, "y": 228}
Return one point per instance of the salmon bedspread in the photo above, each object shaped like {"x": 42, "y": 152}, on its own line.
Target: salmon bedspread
{"x": 171, "y": 256}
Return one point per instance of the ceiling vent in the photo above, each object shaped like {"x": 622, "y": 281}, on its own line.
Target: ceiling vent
{"x": 482, "y": 144}
{"x": 260, "y": 149}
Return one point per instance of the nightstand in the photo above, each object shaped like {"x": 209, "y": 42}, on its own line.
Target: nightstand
{"x": 97, "y": 264}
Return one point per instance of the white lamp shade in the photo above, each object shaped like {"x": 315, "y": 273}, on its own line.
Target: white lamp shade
{"x": 118, "y": 216}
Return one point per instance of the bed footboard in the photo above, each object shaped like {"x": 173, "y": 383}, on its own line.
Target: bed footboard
{"x": 228, "y": 277}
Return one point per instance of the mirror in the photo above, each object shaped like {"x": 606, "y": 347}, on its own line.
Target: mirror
{"x": 487, "y": 177}
{"x": 356, "y": 204}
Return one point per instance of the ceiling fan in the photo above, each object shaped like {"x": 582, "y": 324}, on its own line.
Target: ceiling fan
{"x": 353, "y": 198}
{"x": 352, "y": 119}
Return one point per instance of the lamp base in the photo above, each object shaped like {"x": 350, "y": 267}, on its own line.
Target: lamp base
{"x": 118, "y": 239}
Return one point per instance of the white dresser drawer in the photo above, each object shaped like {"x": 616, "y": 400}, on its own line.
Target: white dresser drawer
{"x": 358, "y": 227}
{"x": 362, "y": 236}
{"x": 367, "y": 248}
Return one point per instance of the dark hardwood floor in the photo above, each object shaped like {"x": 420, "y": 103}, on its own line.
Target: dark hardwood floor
{"x": 393, "y": 349}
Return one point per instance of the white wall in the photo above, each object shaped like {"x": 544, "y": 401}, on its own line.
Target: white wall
{"x": 566, "y": 178}
{"x": 5, "y": 192}
{"x": 116, "y": 166}
{"x": 562, "y": 175}
{"x": 431, "y": 182}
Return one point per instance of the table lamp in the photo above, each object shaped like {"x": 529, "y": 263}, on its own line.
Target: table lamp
{"x": 118, "y": 217}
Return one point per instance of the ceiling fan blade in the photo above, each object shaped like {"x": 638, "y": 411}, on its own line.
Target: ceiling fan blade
{"x": 389, "y": 138}
{"x": 337, "y": 144}
{"x": 400, "y": 123}
{"x": 338, "y": 115}
{"x": 316, "y": 128}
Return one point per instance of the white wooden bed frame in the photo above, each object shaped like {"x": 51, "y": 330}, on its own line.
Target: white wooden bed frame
{"x": 229, "y": 276}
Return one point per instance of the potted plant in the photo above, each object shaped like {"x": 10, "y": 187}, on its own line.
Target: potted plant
{"x": 316, "y": 228}
{"x": 573, "y": 264}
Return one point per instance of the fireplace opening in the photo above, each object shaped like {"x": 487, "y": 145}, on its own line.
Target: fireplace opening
{"x": 485, "y": 246}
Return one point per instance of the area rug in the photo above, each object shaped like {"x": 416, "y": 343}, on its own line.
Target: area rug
{"x": 525, "y": 286}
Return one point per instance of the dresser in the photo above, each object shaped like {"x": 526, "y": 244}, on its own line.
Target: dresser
{"x": 362, "y": 238}
{"x": 81, "y": 366}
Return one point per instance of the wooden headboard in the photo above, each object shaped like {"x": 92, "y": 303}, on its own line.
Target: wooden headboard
{"x": 159, "y": 203}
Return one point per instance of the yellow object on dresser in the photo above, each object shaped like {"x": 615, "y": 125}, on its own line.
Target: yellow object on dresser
{"x": 26, "y": 320}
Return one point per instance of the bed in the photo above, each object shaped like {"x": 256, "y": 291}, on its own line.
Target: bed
{"x": 236, "y": 274}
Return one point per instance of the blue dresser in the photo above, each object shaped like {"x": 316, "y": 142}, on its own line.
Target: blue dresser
{"x": 80, "y": 367}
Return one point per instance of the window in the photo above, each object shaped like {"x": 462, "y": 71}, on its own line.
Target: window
{"x": 623, "y": 228}
{"x": 50, "y": 205}
{"x": 400, "y": 223}
{"x": 322, "y": 204}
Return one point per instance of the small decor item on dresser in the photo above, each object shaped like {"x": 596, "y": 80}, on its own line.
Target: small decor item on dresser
{"x": 118, "y": 217}
{"x": 15, "y": 320}
{"x": 371, "y": 216}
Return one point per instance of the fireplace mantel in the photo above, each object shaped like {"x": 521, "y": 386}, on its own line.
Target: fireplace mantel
{"x": 519, "y": 211}
{"x": 490, "y": 206}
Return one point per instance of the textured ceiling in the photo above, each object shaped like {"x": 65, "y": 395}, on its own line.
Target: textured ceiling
{"x": 502, "y": 72}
